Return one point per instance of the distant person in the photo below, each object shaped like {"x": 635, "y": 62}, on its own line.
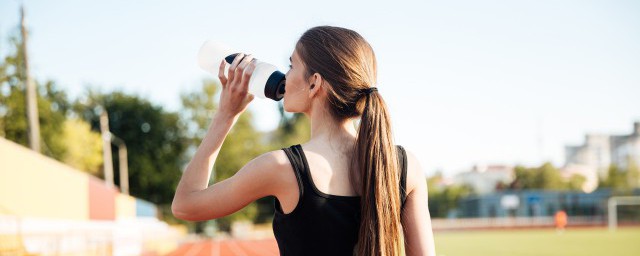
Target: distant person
{"x": 560, "y": 220}
{"x": 343, "y": 192}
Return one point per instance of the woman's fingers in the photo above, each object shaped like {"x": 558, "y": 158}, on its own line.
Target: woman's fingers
{"x": 241, "y": 74}
{"x": 248, "y": 71}
{"x": 235, "y": 63}
{"x": 221, "y": 76}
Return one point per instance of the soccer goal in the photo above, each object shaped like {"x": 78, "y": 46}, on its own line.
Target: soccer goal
{"x": 613, "y": 203}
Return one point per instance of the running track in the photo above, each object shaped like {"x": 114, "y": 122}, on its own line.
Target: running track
{"x": 230, "y": 247}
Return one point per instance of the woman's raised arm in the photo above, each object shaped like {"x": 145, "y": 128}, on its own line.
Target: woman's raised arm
{"x": 195, "y": 199}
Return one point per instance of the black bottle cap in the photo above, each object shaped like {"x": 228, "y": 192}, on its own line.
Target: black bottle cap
{"x": 274, "y": 89}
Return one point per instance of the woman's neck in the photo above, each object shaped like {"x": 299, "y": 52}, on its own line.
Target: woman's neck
{"x": 326, "y": 130}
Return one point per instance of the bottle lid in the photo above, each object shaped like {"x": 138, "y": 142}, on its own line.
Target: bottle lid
{"x": 274, "y": 89}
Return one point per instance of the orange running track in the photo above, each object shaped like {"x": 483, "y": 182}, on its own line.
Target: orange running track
{"x": 230, "y": 247}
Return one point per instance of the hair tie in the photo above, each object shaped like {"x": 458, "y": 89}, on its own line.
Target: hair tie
{"x": 369, "y": 90}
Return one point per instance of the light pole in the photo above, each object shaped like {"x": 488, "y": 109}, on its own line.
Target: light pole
{"x": 31, "y": 98}
{"x": 107, "y": 139}
{"x": 106, "y": 147}
{"x": 124, "y": 168}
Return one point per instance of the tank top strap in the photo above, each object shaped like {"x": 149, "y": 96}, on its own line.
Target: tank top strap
{"x": 402, "y": 157}
{"x": 294, "y": 153}
{"x": 300, "y": 168}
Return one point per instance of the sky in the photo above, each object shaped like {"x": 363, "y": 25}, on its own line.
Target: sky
{"x": 466, "y": 82}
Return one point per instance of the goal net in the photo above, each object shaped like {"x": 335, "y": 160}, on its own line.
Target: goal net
{"x": 613, "y": 208}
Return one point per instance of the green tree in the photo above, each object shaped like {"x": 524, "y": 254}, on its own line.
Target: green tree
{"x": 52, "y": 105}
{"x": 548, "y": 177}
{"x": 622, "y": 179}
{"x": 86, "y": 154}
{"x": 154, "y": 140}
{"x": 575, "y": 182}
{"x": 443, "y": 199}
{"x": 544, "y": 177}
{"x": 633, "y": 173}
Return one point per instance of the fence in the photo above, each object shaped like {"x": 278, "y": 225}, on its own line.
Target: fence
{"x": 25, "y": 236}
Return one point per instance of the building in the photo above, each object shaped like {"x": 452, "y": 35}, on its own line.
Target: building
{"x": 601, "y": 150}
{"x": 626, "y": 148}
{"x": 594, "y": 153}
{"x": 484, "y": 178}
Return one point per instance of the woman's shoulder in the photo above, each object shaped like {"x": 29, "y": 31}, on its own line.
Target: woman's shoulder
{"x": 273, "y": 160}
{"x": 415, "y": 173}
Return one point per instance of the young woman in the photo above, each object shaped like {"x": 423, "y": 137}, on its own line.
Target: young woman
{"x": 345, "y": 191}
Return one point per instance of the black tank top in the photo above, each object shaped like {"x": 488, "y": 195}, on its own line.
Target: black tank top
{"x": 321, "y": 224}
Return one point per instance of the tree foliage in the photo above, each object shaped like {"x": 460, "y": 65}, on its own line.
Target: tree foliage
{"x": 52, "y": 105}
{"x": 621, "y": 179}
{"x": 86, "y": 154}
{"x": 154, "y": 140}
{"x": 546, "y": 177}
{"x": 443, "y": 199}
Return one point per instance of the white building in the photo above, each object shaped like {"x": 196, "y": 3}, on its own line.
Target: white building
{"x": 601, "y": 150}
{"x": 484, "y": 178}
{"x": 626, "y": 148}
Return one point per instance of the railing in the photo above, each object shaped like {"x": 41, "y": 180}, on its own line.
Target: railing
{"x": 514, "y": 222}
{"x": 22, "y": 236}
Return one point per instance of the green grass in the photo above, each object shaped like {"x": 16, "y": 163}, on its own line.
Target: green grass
{"x": 625, "y": 241}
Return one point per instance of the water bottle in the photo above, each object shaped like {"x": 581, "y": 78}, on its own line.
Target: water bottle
{"x": 265, "y": 82}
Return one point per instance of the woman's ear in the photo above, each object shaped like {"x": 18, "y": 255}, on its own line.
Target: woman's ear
{"x": 315, "y": 85}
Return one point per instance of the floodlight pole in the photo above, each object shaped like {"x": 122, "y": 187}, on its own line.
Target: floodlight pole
{"x": 124, "y": 169}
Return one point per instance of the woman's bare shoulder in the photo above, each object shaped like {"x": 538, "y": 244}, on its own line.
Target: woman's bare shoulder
{"x": 277, "y": 164}
{"x": 415, "y": 173}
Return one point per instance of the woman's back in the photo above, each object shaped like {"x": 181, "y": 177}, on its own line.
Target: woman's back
{"x": 321, "y": 222}
{"x": 332, "y": 80}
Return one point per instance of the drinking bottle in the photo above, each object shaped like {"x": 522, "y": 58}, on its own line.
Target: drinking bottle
{"x": 265, "y": 82}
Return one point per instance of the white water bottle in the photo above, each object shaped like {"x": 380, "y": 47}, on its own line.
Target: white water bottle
{"x": 265, "y": 82}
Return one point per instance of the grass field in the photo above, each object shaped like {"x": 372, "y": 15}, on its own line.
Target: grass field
{"x": 543, "y": 242}
{"x": 625, "y": 241}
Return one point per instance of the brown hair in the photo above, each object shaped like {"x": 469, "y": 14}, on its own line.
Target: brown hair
{"x": 346, "y": 61}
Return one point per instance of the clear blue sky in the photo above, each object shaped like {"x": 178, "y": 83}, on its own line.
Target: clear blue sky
{"x": 467, "y": 81}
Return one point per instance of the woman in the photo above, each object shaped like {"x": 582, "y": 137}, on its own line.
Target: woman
{"x": 344, "y": 192}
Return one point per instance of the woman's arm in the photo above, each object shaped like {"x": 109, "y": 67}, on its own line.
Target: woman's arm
{"x": 416, "y": 221}
{"x": 195, "y": 199}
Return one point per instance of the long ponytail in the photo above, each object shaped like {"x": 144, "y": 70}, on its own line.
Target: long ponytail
{"x": 376, "y": 159}
{"x": 347, "y": 62}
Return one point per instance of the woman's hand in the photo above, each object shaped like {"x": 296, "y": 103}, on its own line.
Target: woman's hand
{"x": 235, "y": 96}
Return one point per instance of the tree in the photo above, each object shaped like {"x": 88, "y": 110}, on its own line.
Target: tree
{"x": 544, "y": 177}
{"x": 86, "y": 154}
{"x": 444, "y": 199}
{"x": 576, "y": 181}
{"x": 633, "y": 173}
{"x": 548, "y": 177}
{"x": 154, "y": 139}
{"x": 623, "y": 180}
{"x": 52, "y": 105}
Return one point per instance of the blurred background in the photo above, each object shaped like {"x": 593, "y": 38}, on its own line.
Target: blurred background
{"x": 525, "y": 116}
